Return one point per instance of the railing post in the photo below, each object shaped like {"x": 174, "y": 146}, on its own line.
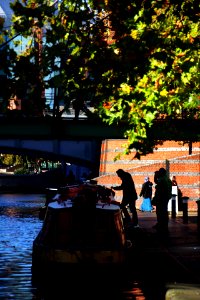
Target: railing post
{"x": 185, "y": 209}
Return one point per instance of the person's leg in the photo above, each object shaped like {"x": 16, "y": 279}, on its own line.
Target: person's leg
{"x": 142, "y": 205}
{"x": 76, "y": 113}
{"x": 125, "y": 213}
{"x": 134, "y": 214}
{"x": 158, "y": 217}
{"x": 164, "y": 221}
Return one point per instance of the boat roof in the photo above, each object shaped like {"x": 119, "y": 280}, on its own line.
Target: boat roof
{"x": 69, "y": 203}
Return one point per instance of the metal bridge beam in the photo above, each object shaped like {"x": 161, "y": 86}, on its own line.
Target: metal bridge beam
{"x": 51, "y": 128}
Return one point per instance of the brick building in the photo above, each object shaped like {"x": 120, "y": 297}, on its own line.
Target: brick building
{"x": 180, "y": 160}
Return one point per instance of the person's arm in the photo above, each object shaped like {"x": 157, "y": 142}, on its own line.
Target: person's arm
{"x": 117, "y": 188}
{"x": 142, "y": 191}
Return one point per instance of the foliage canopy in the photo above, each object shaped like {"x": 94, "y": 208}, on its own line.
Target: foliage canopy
{"x": 138, "y": 61}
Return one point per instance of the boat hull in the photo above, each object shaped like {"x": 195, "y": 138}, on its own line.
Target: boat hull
{"x": 83, "y": 237}
{"x": 72, "y": 256}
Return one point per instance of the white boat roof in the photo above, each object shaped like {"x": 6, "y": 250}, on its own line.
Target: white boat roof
{"x": 69, "y": 203}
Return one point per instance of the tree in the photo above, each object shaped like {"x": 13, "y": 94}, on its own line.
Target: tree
{"x": 11, "y": 159}
{"x": 139, "y": 59}
{"x": 158, "y": 77}
{"x": 5, "y": 53}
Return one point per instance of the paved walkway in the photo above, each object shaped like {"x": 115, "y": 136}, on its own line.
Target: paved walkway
{"x": 172, "y": 262}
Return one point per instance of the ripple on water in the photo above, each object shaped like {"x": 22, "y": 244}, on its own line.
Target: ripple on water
{"x": 19, "y": 225}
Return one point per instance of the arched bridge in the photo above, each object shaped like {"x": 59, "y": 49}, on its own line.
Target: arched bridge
{"x": 78, "y": 142}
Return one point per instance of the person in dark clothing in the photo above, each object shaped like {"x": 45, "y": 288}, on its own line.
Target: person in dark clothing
{"x": 179, "y": 193}
{"x": 129, "y": 196}
{"x": 71, "y": 179}
{"x": 78, "y": 106}
{"x": 163, "y": 193}
{"x": 146, "y": 193}
{"x": 156, "y": 176}
{"x": 153, "y": 200}
{"x": 174, "y": 182}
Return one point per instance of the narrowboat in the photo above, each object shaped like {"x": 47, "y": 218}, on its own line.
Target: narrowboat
{"x": 82, "y": 228}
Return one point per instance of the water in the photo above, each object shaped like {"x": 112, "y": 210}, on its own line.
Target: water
{"x": 19, "y": 225}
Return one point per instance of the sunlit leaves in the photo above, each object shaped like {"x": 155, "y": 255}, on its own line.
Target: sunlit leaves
{"x": 138, "y": 59}
{"x": 164, "y": 93}
{"x": 125, "y": 88}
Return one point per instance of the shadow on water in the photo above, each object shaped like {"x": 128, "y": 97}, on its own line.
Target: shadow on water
{"x": 88, "y": 286}
{"x": 129, "y": 285}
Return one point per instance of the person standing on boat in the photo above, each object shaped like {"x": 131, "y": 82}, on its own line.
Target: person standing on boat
{"x": 129, "y": 196}
{"x": 71, "y": 179}
{"x": 146, "y": 193}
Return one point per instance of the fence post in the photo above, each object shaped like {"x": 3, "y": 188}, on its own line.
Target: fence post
{"x": 185, "y": 209}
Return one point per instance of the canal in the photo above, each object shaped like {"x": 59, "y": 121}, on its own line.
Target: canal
{"x": 19, "y": 225}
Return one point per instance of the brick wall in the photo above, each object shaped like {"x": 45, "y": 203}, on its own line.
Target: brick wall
{"x": 172, "y": 155}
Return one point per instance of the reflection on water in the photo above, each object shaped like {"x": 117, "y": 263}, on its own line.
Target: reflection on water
{"x": 86, "y": 290}
{"x": 19, "y": 225}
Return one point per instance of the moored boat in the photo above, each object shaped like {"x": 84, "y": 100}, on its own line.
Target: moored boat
{"x": 82, "y": 227}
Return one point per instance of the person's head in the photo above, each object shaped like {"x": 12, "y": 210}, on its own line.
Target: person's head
{"x": 120, "y": 173}
{"x": 162, "y": 172}
{"x": 146, "y": 179}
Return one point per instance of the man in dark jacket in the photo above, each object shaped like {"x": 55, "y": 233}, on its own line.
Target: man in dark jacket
{"x": 163, "y": 194}
{"x": 129, "y": 196}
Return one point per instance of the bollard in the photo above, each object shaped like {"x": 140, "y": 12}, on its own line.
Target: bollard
{"x": 198, "y": 215}
{"x": 173, "y": 206}
{"x": 185, "y": 209}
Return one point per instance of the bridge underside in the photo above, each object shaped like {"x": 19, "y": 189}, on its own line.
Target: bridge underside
{"x": 83, "y": 153}
{"x": 79, "y": 142}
